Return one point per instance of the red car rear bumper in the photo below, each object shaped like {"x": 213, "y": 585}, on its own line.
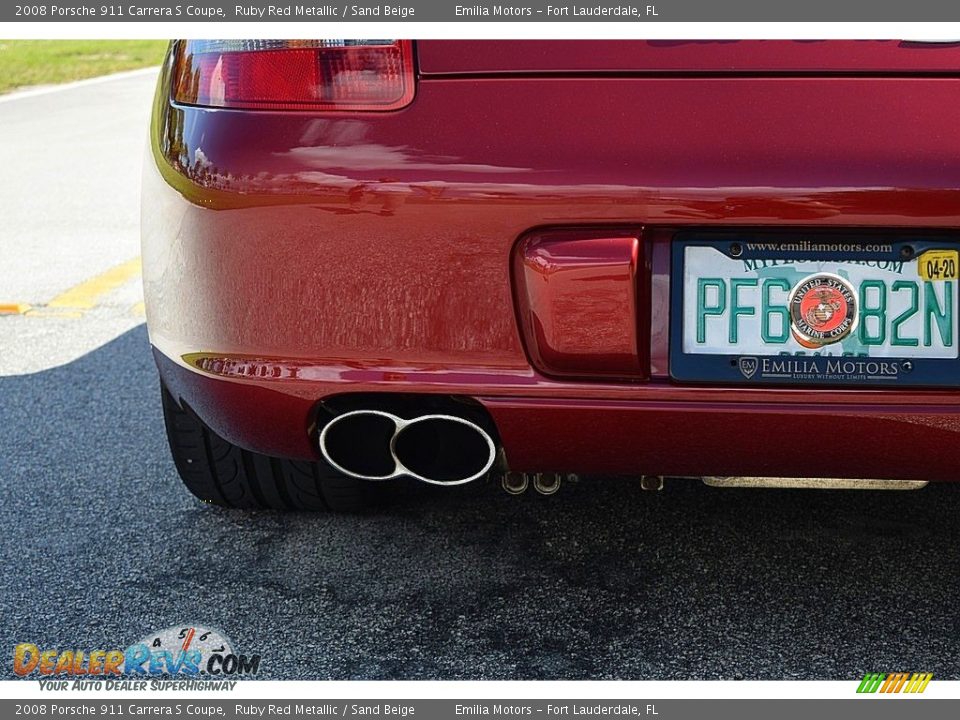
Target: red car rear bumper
{"x": 291, "y": 257}
{"x": 670, "y": 431}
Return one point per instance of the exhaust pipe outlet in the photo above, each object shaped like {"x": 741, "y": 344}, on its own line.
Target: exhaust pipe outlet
{"x": 514, "y": 483}
{"x": 435, "y": 449}
{"x": 443, "y": 449}
{"x": 546, "y": 483}
{"x": 358, "y": 444}
{"x": 651, "y": 482}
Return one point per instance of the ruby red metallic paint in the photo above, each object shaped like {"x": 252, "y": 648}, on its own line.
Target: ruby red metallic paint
{"x": 291, "y": 256}
{"x": 480, "y": 57}
{"x": 566, "y": 282}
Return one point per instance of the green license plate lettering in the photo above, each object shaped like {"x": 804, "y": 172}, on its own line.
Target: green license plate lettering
{"x": 942, "y": 315}
{"x": 769, "y": 311}
{"x": 896, "y": 338}
{"x": 873, "y": 333}
{"x": 705, "y": 307}
{"x": 832, "y": 306}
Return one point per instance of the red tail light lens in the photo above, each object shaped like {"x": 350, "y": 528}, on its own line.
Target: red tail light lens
{"x": 294, "y": 74}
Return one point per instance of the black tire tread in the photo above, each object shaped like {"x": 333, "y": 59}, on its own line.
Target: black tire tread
{"x": 221, "y": 473}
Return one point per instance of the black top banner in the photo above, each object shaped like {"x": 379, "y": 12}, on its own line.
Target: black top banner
{"x": 447, "y": 11}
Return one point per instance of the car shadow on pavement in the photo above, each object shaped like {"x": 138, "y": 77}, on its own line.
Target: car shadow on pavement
{"x": 601, "y": 580}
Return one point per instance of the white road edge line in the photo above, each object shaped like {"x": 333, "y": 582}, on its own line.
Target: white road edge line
{"x": 46, "y": 90}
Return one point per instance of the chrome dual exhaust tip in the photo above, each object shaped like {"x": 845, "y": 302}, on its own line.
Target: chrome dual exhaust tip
{"x": 435, "y": 449}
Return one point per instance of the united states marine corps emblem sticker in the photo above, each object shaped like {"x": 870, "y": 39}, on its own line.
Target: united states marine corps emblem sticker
{"x": 823, "y": 310}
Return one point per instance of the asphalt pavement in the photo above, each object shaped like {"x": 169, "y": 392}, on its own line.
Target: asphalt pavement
{"x": 603, "y": 580}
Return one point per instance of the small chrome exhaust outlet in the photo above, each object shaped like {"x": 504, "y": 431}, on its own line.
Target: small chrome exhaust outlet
{"x": 435, "y": 449}
{"x": 514, "y": 483}
{"x": 654, "y": 483}
{"x": 546, "y": 483}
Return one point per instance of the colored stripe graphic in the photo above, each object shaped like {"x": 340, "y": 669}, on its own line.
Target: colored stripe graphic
{"x": 871, "y": 682}
{"x": 894, "y": 683}
{"x": 920, "y": 683}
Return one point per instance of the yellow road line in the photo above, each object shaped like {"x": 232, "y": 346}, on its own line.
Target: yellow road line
{"x": 13, "y": 308}
{"x": 139, "y": 310}
{"x": 86, "y": 295}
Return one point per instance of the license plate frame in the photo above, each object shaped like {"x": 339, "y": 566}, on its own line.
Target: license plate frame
{"x": 812, "y": 368}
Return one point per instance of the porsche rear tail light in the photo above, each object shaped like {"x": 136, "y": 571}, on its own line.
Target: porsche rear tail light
{"x": 294, "y": 74}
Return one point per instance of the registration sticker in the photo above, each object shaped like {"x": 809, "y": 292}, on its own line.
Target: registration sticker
{"x": 938, "y": 265}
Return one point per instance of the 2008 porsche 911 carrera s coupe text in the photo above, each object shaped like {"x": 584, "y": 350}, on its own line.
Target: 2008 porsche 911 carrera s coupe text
{"x": 374, "y": 259}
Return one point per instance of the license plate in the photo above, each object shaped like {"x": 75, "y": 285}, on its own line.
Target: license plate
{"x": 842, "y": 310}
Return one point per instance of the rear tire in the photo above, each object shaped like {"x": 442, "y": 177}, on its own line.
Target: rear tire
{"x": 221, "y": 473}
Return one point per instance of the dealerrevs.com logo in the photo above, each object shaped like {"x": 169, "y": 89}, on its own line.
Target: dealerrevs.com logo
{"x": 190, "y": 651}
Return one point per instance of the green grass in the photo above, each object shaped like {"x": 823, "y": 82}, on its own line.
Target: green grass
{"x": 45, "y": 62}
